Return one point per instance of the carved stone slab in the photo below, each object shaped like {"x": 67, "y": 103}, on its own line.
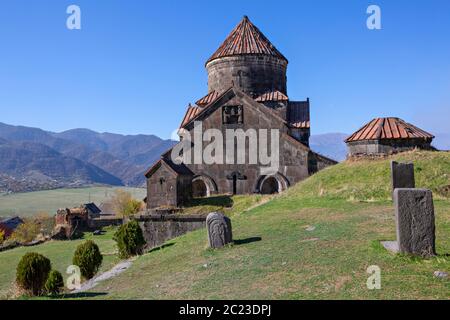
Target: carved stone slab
{"x": 402, "y": 175}
{"x": 414, "y": 213}
{"x": 219, "y": 230}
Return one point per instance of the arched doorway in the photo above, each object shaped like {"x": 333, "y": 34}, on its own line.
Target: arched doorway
{"x": 199, "y": 189}
{"x": 203, "y": 186}
{"x": 270, "y": 186}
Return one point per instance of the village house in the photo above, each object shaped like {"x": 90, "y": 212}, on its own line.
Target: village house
{"x": 247, "y": 89}
{"x": 68, "y": 221}
{"x": 383, "y": 136}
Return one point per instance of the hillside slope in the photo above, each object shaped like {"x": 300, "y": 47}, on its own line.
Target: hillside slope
{"x": 301, "y": 245}
{"x": 370, "y": 180}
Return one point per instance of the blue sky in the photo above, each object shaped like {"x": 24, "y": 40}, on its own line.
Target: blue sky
{"x": 135, "y": 65}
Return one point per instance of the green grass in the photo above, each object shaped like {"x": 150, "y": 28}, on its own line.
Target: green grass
{"x": 369, "y": 180}
{"x": 230, "y": 205}
{"x": 275, "y": 257}
{"x": 60, "y": 254}
{"x": 31, "y": 203}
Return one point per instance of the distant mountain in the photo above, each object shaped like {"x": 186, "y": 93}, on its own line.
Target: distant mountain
{"x": 108, "y": 158}
{"x": 25, "y": 164}
{"x": 136, "y": 149}
{"x": 442, "y": 141}
{"x": 331, "y": 145}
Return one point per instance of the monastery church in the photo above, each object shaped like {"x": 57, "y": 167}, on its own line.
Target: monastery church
{"x": 246, "y": 90}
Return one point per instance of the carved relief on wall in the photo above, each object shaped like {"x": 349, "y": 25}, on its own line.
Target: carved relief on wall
{"x": 233, "y": 115}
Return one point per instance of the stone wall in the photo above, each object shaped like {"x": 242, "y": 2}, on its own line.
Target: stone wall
{"x": 162, "y": 188}
{"x": 99, "y": 223}
{"x": 374, "y": 147}
{"x": 158, "y": 229}
{"x": 253, "y": 74}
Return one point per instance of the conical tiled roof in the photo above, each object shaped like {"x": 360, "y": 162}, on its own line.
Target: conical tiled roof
{"x": 388, "y": 128}
{"x": 246, "y": 39}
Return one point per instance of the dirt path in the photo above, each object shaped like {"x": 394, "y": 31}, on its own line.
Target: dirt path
{"x": 115, "y": 271}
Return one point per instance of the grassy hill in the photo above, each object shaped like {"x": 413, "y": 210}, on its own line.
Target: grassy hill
{"x": 315, "y": 241}
{"x": 30, "y": 203}
{"x": 370, "y": 180}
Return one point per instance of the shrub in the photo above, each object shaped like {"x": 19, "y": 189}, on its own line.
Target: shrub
{"x": 32, "y": 273}
{"x": 124, "y": 205}
{"x": 88, "y": 258}
{"x": 132, "y": 207}
{"x": 2, "y": 236}
{"x": 54, "y": 283}
{"x": 130, "y": 239}
{"x": 26, "y": 232}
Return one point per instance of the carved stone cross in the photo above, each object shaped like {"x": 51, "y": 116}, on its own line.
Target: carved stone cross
{"x": 235, "y": 176}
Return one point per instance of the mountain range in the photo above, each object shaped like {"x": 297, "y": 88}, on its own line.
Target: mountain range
{"x": 34, "y": 159}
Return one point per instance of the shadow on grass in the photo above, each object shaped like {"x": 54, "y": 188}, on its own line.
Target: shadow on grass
{"x": 79, "y": 295}
{"x": 217, "y": 201}
{"x": 247, "y": 240}
{"x": 161, "y": 247}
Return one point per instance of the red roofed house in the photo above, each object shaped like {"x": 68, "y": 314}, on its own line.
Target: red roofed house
{"x": 387, "y": 136}
{"x": 246, "y": 90}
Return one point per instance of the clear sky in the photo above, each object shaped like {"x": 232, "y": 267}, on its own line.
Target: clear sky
{"x": 136, "y": 64}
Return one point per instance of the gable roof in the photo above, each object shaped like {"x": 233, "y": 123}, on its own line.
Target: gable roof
{"x": 210, "y": 97}
{"x": 272, "y": 96}
{"x": 191, "y": 112}
{"x": 92, "y": 207}
{"x": 388, "y": 128}
{"x": 298, "y": 115}
{"x": 8, "y": 225}
{"x": 246, "y": 39}
{"x": 229, "y": 93}
{"x": 176, "y": 169}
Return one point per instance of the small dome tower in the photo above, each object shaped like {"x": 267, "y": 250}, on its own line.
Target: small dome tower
{"x": 248, "y": 60}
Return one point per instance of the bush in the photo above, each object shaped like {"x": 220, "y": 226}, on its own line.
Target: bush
{"x": 88, "y": 258}
{"x": 2, "y": 236}
{"x": 124, "y": 205}
{"x": 130, "y": 239}
{"x": 54, "y": 283}
{"x": 26, "y": 232}
{"x": 32, "y": 273}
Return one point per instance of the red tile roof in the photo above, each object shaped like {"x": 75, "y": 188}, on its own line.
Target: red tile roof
{"x": 298, "y": 114}
{"x": 272, "y": 96}
{"x": 388, "y": 128}
{"x": 210, "y": 97}
{"x": 191, "y": 112}
{"x": 246, "y": 39}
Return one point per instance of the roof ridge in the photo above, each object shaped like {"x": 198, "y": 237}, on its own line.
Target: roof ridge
{"x": 246, "y": 39}
{"x": 388, "y": 128}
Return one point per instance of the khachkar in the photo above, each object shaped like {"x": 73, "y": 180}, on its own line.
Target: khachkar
{"x": 402, "y": 175}
{"x": 219, "y": 230}
{"x": 414, "y": 214}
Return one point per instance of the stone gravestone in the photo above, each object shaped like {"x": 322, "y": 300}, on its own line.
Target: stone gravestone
{"x": 402, "y": 175}
{"x": 219, "y": 230}
{"x": 414, "y": 213}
